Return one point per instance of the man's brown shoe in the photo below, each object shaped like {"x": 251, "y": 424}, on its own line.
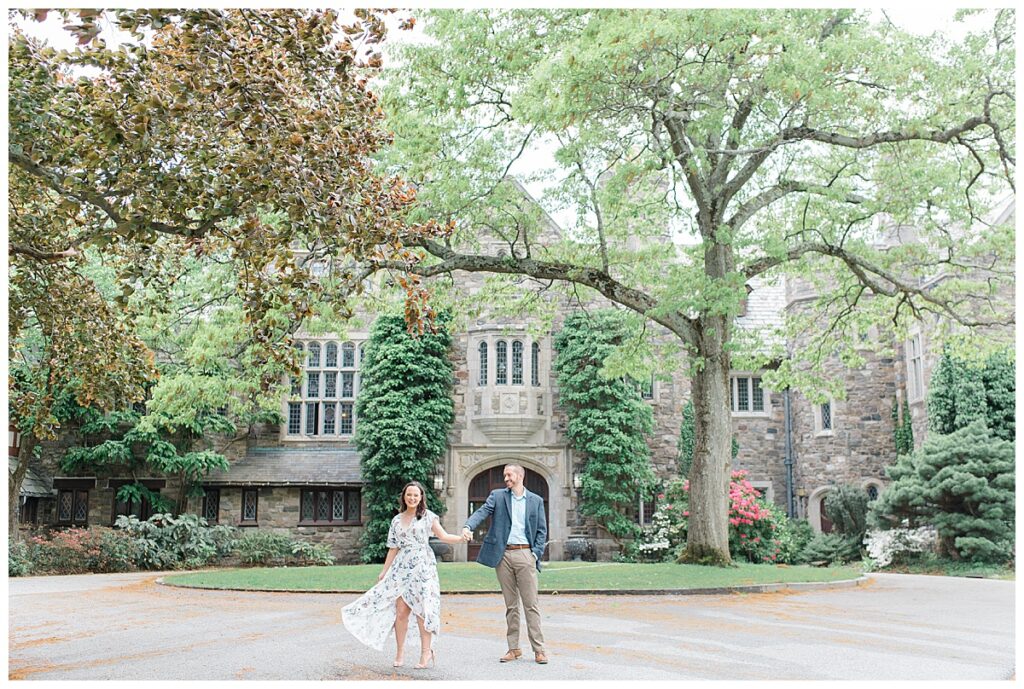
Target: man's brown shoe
{"x": 512, "y": 654}
{"x": 541, "y": 658}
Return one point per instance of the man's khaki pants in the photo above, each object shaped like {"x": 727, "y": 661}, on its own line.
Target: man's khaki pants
{"x": 517, "y": 574}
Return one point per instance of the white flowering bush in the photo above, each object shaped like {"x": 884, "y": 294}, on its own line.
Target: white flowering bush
{"x": 653, "y": 544}
{"x": 885, "y": 546}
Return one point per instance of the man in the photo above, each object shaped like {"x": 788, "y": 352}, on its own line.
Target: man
{"x": 513, "y": 546}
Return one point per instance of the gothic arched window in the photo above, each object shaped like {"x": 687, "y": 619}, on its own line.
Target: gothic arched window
{"x": 517, "y": 362}
{"x": 501, "y": 365}
{"x": 483, "y": 363}
{"x": 535, "y": 364}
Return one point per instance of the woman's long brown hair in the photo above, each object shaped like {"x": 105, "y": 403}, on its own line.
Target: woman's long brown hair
{"x": 420, "y": 508}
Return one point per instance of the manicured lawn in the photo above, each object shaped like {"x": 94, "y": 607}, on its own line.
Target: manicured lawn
{"x": 556, "y": 576}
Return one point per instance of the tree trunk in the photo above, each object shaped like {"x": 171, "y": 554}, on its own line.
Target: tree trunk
{"x": 707, "y": 540}
{"x": 14, "y": 481}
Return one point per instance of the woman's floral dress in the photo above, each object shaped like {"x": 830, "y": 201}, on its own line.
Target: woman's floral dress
{"x": 412, "y": 575}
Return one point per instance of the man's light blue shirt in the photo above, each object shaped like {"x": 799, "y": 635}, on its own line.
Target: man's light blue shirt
{"x": 517, "y": 536}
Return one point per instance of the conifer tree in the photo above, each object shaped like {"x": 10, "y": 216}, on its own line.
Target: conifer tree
{"x": 963, "y": 485}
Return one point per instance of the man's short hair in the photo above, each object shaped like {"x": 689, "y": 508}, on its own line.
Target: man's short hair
{"x": 517, "y": 467}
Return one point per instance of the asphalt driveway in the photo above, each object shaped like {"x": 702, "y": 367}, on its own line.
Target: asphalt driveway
{"x": 128, "y": 627}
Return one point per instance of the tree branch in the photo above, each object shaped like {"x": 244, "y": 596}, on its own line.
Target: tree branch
{"x": 594, "y": 278}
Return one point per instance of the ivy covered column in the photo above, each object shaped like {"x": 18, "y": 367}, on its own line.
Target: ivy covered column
{"x": 405, "y": 409}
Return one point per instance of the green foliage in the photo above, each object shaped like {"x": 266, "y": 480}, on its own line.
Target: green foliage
{"x": 168, "y": 542}
{"x": 902, "y": 429}
{"x": 831, "y": 548}
{"x": 19, "y": 562}
{"x": 963, "y": 390}
{"x": 847, "y": 509}
{"x": 261, "y": 547}
{"x": 150, "y": 445}
{"x": 793, "y": 540}
{"x": 963, "y": 485}
{"x": 312, "y": 553}
{"x": 405, "y": 410}
{"x": 608, "y": 422}
{"x": 687, "y": 441}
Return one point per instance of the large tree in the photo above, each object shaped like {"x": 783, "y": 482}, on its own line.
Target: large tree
{"x": 773, "y": 140}
{"x": 242, "y": 135}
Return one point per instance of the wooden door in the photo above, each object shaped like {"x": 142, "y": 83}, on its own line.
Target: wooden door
{"x": 491, "y": 479}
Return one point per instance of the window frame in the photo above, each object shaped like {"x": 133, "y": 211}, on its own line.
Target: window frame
{"x": 482, "y": 363}
{"x": 535, "y": 364}
{"x": 915, "y": 368}
{"x": 819, "y": 421}
{"x": 207, "y": 493}
{"x": 312, "y": 404}
{"x": 346, "y": 491}
{"x": 255, "y": 520}
{"x": 750, "y": 377}
{"x": 75, "y": 493}
{"x": 501, "y": 362}
{"x": 518, "y": 363}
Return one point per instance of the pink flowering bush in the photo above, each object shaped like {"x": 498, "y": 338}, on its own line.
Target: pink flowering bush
{"x": 758, "y": 530}
{"x": 76, "y": 551}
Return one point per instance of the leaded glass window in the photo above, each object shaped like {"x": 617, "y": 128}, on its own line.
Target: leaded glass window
{"x": 747, "y": 396}
{"x": 312, "y": 418}
{"x": 329, "y": 418}
{"x": 250, "y": 502}
{"x": 329, "y": 506}
{"x": 535, "y": 364}
{"x": 211, "y": 505}
{"x": 316, "y": 412}
{"x": 345, "y": 424}
{"x": 501, "y": 370}
{"x": 483, "y": 363}
{"x": 517, "y": 362}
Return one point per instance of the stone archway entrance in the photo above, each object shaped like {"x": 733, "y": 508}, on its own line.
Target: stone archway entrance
{"x": 490, "y": 479}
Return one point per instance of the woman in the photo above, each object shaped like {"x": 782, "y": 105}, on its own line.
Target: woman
{"x": 408, "y": 582}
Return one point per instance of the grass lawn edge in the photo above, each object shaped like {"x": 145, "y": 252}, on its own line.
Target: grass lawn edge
{"x": 715, "y": 590}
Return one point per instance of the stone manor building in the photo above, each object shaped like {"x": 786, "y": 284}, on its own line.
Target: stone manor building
{"x": 303, "y": 476}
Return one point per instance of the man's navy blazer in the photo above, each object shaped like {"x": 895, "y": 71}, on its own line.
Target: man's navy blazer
{"x": 499, "y": 508}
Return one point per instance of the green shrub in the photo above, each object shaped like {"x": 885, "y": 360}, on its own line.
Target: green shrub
{"x": 168, "y": 542}
{"x": 832, "y": 548}
{"x": 847, "y": 509}
{"x": 263, "y": 547}
{"x": 312, "y": 553}
{"x": 19, "y": 563}
{"x": 793, "y": 538}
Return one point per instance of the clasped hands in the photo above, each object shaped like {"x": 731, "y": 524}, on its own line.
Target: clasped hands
{"x": 467, "y": 535}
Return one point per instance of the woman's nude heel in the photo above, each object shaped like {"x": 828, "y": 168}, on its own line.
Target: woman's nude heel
{"x": 433, "y": 662}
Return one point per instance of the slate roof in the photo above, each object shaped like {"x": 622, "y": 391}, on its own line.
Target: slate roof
{"x": 291, "y": 466}
{"x": 765, "y": 305}
{"x": 35, "y": 485}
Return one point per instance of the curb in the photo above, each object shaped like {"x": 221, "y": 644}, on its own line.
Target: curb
{"x": 755, "y": 588}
